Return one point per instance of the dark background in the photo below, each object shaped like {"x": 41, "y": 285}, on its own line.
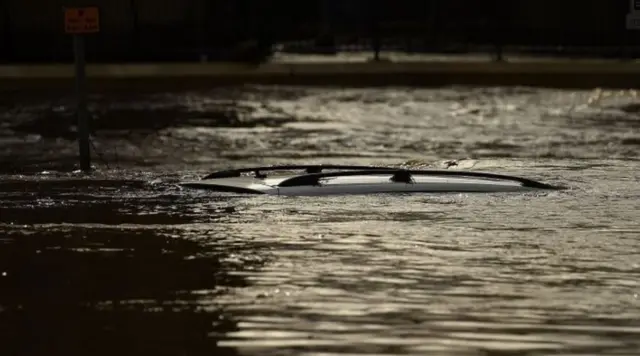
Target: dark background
{"x": 170, "y": 30}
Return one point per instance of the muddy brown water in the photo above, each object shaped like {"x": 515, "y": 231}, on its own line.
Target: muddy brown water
{"x": 123, "y": 262}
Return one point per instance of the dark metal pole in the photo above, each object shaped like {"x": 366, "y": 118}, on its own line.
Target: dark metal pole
{"x": 81, "y": 104}
{"x": 202, "y": 15}
{"x": 6, "y": 32}
{"x": 497, "y": 19}
{"x": 135, "y": 36}
{"x": 376, "y": 9}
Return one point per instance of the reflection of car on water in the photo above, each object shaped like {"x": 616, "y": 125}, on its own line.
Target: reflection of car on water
{"x": 344, "y": 179}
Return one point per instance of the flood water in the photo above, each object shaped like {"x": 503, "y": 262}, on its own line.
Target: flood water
{"x": 125, "y": 263}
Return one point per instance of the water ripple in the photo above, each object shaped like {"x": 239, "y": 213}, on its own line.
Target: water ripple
{"x": 124, "y": 262}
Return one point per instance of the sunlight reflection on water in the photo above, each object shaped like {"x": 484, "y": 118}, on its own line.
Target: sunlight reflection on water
{"x": 125, "y": 262}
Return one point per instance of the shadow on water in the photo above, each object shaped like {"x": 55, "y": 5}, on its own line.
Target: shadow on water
{"x": 106, "y": 118}
{"x": 41, "y": 132}
{"x": 106, "y": 292}
{"x": 107, "y": 202}
{"x": 146, "y": 289}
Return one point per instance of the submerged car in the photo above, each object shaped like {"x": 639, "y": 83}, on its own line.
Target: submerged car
{"x": 344, "y": 179}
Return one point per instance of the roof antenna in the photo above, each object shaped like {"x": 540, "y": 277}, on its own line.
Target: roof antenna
{"x": 402, "y": 177}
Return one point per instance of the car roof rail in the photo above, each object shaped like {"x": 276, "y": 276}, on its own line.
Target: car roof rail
{"x": 405, "y": 175}
{"x": 309, "y": 168}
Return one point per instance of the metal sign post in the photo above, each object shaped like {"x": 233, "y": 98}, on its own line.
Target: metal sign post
{"x": 79, "y": 22}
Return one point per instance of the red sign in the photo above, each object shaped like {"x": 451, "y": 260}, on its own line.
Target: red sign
{"x": 79, "y": 20}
